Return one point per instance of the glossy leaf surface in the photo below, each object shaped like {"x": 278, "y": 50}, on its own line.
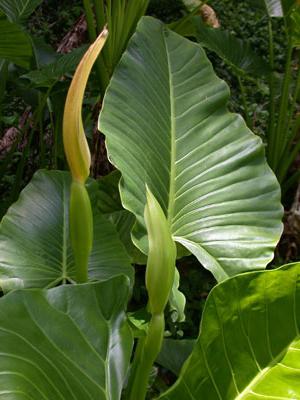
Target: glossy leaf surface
{"x": 249, "y": 344}
{"x": 15, "y": 45}
{"x": 167, "y": 125}
{"x": 71, "y": 342}
{"x": 34, "y": 238}
{"x": 19, "y": 10}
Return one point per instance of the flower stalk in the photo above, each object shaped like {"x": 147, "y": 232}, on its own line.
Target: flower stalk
{"x": 79, "y": 160}
{"x": 160, "y": 274}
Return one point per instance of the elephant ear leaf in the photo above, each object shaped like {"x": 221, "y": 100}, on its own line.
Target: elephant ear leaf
{"x": 249, "y": 343}
{"x": 35, "y": 248}
{"x": 72, "y": 342}
{"x": 15, "y": 44}
{"x": 234, "y": 51}
{"x": 167, "y": 125}
{"x": 19, "y": 10}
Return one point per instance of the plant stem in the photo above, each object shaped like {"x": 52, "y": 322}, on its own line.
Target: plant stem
{"x": 146, "y": 353}
{"x": 42, "y": 154}
{"x": 89, "y": 15}
{"x": 244, "y": 100}
{"x": 291, "y": 149}
{"x": 35, "y": 118}
{"x": 3, "y": 74}
{"x": 291, "y": 155}
{"x": 99, "y": 14}
{"x": 294, "y": 103}
{"x": 54, "y": 135}
{"x": 290, "y": 182}
{"x": 271, "y": 125}
{"x": 102, "y": 73}
{"x": 280, "y": 131}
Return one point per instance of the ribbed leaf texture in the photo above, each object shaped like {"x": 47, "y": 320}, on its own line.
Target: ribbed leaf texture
{"x": 15, "y": 44}
{"x": 68, "y": 343}
{"x": 19, "y": 10}
{"x": 35, "y": 248}
{"x": 167, "y": 126}
{"x": 249, "y": 343}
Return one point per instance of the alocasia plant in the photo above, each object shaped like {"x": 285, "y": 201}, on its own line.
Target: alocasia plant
{"x": 192, "y": 173}
{"x": 166, "y": 124}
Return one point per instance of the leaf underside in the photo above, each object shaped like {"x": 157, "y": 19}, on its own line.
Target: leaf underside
{"x": 249, "y": 343}
{"x": 166, "y": 124}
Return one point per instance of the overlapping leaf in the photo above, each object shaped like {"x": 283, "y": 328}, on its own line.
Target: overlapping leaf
{"x": 19, "y": 10}
{"x": 166, "y": 124}
{"x": 68, "y": 343}
{"x": 232, "y": 50}
{"x": 15, "y": 45}
{"x": 51, "y": 73}
{"x": 249, "y": 344}
{"x": 35, "y": 249}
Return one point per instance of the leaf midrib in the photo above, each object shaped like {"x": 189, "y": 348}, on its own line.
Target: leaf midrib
{"x": 171, "y": 201}
{"x": 261, "y": 375}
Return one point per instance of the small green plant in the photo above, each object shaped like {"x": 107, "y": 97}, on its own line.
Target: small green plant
{"x": 192, "y": 175}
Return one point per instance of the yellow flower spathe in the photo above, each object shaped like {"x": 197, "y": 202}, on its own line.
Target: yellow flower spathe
{"x": 75, "y": 143}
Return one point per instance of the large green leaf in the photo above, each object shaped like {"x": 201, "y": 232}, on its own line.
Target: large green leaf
{"x": 68, "y": 343}
{"x": 236, "y": 52}
{"x": 167, "y": 125}
{"x": 35, "y": 249}
{"x": 249, "y": 343}
{"x": 15, "y": 45}
{"x": 19, "y": 10}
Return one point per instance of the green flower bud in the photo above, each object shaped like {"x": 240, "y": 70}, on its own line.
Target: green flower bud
{"x": 81, "y": 229}
{"x": 161, "y": 256}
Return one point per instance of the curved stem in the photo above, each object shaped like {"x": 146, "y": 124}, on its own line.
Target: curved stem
{"x": 146, "y": 353}
{"x": 244, "y": 100}
{"x": 100, "y": 66}
{"x": 271, "y": 125}
{"x": 280, "y": 132}
{"x": 100, "y": 14}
